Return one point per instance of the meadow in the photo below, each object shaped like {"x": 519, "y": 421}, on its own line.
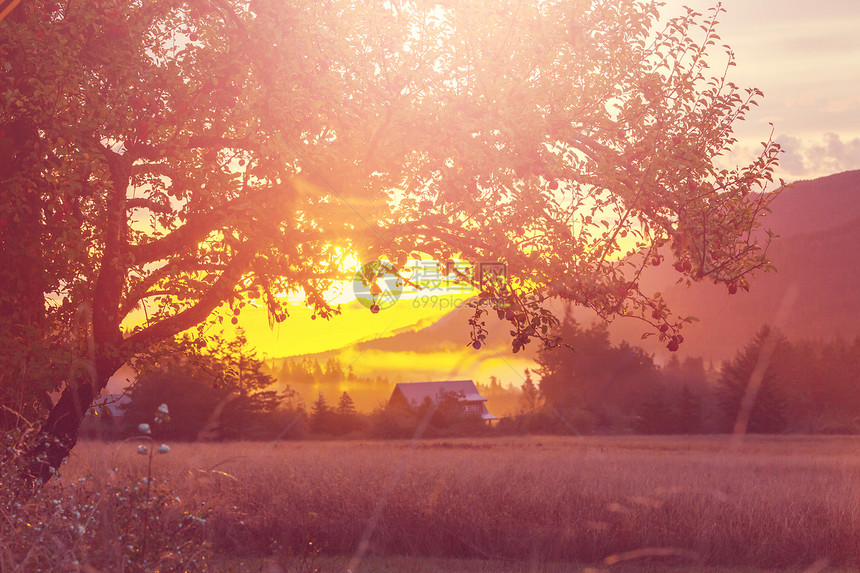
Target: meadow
{"x": 512, "y": 504}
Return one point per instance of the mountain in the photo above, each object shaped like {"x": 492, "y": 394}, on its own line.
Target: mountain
{"x": 812, "y": 294}
{"x": 807, "y": 207}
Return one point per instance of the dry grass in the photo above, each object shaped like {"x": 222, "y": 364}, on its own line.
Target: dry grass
{"x": 784, "y": 502}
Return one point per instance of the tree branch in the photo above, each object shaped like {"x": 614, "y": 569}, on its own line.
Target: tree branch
{"x": 191, "y": 233}
{"x": 107, "y": 291}
{"x": 219, "y": 292}
{"x": 141, "y": 290}
{"x": 200, "y": 225}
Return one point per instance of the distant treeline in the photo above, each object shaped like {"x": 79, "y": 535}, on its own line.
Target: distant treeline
{"x": 772, "y": 385}
{"x": 311, "y": 372}
{"x": 310, "y": 377}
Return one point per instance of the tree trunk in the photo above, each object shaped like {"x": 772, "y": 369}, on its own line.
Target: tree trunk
{"x": 59, "y": 433}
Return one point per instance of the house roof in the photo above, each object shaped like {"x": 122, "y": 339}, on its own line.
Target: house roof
{"x": 416, "y": 392}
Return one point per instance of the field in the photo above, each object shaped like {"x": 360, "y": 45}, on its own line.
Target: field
{"x": 516, "y": 504}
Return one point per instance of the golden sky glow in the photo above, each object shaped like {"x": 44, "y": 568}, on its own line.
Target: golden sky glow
{"x": 299, "y": 334}
{"x": 440, "y": 359}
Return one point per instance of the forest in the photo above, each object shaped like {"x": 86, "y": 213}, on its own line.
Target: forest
{"x": 805, "y": 386}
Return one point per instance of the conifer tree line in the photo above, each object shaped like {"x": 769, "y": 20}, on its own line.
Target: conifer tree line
{"x": 808, "y": 386}
{"x": 773, "y": 384}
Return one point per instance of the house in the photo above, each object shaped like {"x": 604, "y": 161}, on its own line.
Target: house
{"x": 413, "y": 394}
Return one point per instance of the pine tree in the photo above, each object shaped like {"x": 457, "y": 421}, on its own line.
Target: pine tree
{"x": 333, "y": 370}
{"x": 345, "y": 405}
{"x": 345, "y": 418}
{"x": 689, "y": 412}
{"x": 767, "y": 412}
{"x": 655, "y": 416}
{"x": 321, "y": 416}
{"x": 530, "y": 400}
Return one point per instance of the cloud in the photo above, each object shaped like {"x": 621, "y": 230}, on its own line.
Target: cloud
{"x": 840, "y": 105}
{"x": 791, "y": 160}
{"x": 813, "y": 159}
{"x": 801, "y": 158}
{"x": 834, "y": 155}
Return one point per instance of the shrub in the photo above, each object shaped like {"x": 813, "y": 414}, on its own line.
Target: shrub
{"x": 127, "y": 520}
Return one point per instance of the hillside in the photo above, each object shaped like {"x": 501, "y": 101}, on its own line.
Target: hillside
{"x": 813, "y": 291}
{"x": 822, "y": 204}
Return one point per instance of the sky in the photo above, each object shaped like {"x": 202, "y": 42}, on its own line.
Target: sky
{"x": 804, "y": 56}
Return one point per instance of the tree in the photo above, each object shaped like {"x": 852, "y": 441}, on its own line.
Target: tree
{"x": 655, "y": 416}
{"x": 445, "y": 411}
{"x": 689, "y": 412}
{"x": 333, "y": 370}
{"x": 530, "y": 401}
{"x": 167, "y": 159}
{"x": 598, "y": 376}
{"x": 345, "y": 406}
{"x": 322, "y": 416}
{"x": 346, "y": 418}
{"x": 752, "y": 384}
{"x": 192, "y": 400}
{"x": 220, "y": 393}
